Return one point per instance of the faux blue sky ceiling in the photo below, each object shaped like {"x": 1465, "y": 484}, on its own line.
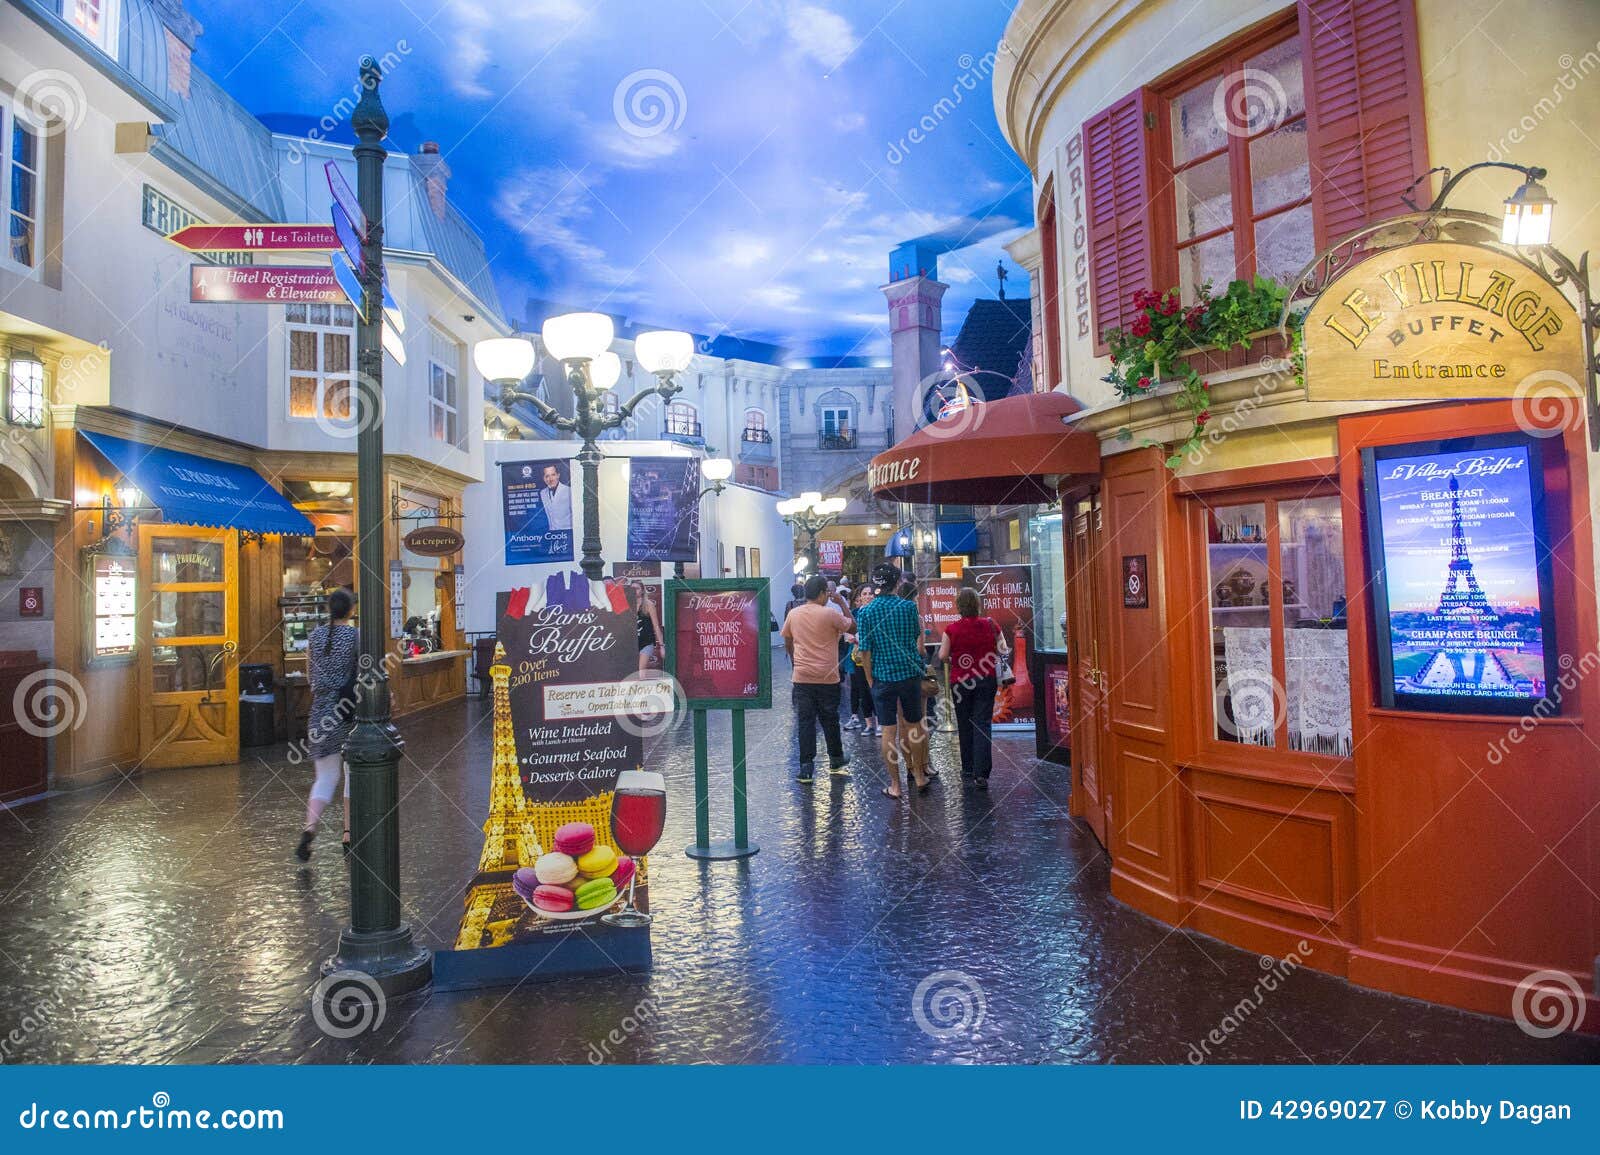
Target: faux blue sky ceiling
{"x": 726, "y": 166}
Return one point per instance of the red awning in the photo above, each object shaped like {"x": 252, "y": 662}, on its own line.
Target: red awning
{"x": 992, "y": 453}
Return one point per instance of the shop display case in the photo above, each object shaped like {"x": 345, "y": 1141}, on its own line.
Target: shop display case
{"x": 301, "y": 614}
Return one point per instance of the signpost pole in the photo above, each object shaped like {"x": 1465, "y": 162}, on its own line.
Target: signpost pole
{"x": 376, "y": 942}
{"x": 702, "y": 785}
{"x": 741, "y": 823}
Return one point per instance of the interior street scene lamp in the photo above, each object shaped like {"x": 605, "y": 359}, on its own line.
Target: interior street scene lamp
{"x": 581, "y": 342}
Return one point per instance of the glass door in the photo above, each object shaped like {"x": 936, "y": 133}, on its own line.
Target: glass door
{"x": 189, "y": 623}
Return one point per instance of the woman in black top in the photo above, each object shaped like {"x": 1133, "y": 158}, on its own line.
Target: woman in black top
{"x": 652, "y": 648}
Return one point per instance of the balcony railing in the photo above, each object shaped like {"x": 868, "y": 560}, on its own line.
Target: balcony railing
{"x": 838, "y": 439}
{"x": 684, "y": 430}
{"x": 763, "y": 436}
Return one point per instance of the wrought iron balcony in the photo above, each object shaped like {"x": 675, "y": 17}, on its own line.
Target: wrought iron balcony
{"x": 836, "y": 439}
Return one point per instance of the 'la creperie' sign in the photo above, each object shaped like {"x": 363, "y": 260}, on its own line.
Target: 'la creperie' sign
{"x": 894, "y": 472}
{"x": 1439, "y": 319}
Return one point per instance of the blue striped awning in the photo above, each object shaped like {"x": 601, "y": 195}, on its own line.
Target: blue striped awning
{"x": 192, "y": 490}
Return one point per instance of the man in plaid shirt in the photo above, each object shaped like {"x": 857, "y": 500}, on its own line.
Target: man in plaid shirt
{"x": 889, "y": 635}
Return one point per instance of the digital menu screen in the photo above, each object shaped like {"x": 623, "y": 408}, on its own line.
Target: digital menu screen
{"x": 1461, "y": 574}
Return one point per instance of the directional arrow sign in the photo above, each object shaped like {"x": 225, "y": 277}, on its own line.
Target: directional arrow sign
{"x": 347, "y": 237}
{"x": 345, "y": 195}
{"x": 345, "y": 277}
{"x": 255, "y": 238}
{"x": 263, "y": 284}
{"x": 392, "y": 344}
{"x": 390, "y": 309}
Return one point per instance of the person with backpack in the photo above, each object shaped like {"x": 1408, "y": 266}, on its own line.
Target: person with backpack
{"x": 331, "y": 656}
{"x": 974, "y": 646}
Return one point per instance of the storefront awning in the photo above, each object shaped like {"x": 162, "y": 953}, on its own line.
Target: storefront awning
{"x": 952, "y": 537}
{"x": 996, "y": 453}
{"x": 191, "y": 490}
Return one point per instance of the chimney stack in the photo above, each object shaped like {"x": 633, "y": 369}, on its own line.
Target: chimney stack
{"x": 435, "y": 174}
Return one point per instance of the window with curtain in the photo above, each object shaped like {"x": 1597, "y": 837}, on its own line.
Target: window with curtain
{"x": 1279, "y": 653}
{"x": 1241, "y": 175}
{"x": 321, "y": 361}
{"x": 21, "y": 190}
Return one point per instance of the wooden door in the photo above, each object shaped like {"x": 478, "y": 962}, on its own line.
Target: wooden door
{"x": 188, "y": 630}
{"x": 1086, "y": 652}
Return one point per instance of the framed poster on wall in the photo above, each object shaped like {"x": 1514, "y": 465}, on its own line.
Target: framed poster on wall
{"x": 719, "y": 647}
{"x": 1459, "y": 559}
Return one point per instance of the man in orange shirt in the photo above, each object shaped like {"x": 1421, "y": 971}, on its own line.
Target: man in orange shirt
{"x": 811, "y": 635}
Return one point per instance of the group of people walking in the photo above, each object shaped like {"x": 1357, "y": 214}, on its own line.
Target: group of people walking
{"x": 865, "y": 653}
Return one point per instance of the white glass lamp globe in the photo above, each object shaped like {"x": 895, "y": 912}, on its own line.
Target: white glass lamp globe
{"x": 578, "y": 336}
{"x": 833, "y": 505}
{"x": 504, "y": 358}
{"x": 605, "y": 370}
{"x": 716, "y": 468}
{"x": 664, "y": 351}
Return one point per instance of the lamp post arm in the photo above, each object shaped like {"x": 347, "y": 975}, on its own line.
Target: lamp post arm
{"x": 1529, "y": 172}
{"x": 625, "y": 410}
{"x": 547, "y": 413}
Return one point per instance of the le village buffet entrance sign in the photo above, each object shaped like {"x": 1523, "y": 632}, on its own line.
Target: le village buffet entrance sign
{"x": 1441, "y": 320}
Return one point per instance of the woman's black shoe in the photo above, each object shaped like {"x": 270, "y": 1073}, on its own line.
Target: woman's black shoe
{"x": 303, "y": 851}
{"x": 983, "y": 784}
{"x": 346, "y": 844}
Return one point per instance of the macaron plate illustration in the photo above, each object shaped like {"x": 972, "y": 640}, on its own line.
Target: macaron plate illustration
{"x": 579, "y": 879}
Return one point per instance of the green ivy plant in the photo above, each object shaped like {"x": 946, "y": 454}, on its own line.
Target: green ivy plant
{"x": 1150, "y": 351}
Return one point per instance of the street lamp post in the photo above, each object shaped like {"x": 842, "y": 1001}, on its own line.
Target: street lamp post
{"x": 811, "y": 513}
{"x": 580, "y": 341}
{"x": 715, "y": 470}
{"x": 376, "y": 942}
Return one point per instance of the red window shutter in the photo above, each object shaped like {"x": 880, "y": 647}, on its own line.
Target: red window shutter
{"x": 1119, "y": 178}
{"x": 1050, "y": 277}
{"x": 1364, "y": 110}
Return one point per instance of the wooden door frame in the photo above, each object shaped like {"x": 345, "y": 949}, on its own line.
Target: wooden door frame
{"x": 1097, "y": 729}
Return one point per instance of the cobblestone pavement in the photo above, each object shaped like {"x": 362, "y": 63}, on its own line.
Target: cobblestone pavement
{"x": 162, "y": 920}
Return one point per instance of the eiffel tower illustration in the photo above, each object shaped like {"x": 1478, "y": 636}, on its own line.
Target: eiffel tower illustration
{"x": 509, "y": 840}
{"x": 1463, "y": 600}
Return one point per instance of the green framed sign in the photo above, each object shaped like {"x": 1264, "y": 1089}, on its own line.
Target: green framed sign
{"x": 719, "y": 642}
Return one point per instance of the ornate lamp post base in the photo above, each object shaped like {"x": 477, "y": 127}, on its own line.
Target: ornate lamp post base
{"x": 391, "y": 957}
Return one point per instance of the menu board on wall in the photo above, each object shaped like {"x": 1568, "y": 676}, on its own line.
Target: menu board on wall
{"x": 720, "y": 649}
{"x": 1462, "y": 592}
{"x": 936, "y": 603}
{"x": 115, "y": 608}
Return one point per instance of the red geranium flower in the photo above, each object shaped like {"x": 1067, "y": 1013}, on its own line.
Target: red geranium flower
{"x": 1140, "y": 326}
{"x": 1144, "y": 382}
{"x": 1202, "y": 417}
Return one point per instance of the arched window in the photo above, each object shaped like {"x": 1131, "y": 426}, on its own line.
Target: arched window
{"x": 755, "y": 427}
{"x": 683, "y": 420}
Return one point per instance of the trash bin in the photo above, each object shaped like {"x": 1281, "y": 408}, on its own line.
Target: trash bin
{"x": 256, "y": 677}
{"x": 256, "y": 713}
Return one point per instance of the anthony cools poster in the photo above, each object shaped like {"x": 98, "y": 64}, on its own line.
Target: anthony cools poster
{"x": 568, "y": 718}
{"x": 538, "y": 511}
{"x": 1007, "y": 593}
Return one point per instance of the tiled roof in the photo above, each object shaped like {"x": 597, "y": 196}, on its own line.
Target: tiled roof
{"x": 991, "y": 341}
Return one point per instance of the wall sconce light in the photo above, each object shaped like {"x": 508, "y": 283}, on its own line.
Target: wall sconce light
{"x": 25, "y": 391}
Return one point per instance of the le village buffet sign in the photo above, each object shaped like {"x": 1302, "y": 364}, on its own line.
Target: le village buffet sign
{"x": 1440, "y": 320}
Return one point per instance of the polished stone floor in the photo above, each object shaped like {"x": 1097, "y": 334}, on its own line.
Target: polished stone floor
{"x": 162, "y": 920}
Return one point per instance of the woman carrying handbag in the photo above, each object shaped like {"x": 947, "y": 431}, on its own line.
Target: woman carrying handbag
{"x": 976, "y": 649}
